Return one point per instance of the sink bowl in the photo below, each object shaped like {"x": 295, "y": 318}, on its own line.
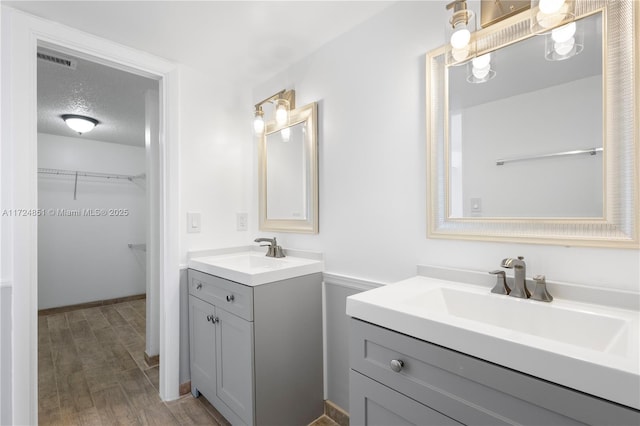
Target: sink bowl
{"x": 254, "y": 268}
{"x": 578, "y": 327}
{"x": 588, "y": 347}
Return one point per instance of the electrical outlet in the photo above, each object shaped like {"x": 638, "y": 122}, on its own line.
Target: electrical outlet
{"x": 241, "y": 221}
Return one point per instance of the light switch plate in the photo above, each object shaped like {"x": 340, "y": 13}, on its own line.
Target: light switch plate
{"x": 241, "y": 221}
{"x": 193, "y": 222}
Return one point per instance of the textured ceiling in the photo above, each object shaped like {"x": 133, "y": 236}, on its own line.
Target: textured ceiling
{"x": 113, "y": 97}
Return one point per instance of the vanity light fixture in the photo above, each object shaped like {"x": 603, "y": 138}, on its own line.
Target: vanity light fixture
{"x": 283, "y": 101}
{"x": 79, "y": 123}
{"x": 564, "y": 42}
{"x": 548, "y": 14}
{"x": 459, "y": 29}
{"x": 481, "y": 69}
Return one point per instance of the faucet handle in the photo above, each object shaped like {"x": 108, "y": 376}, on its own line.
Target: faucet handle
{"x": 501, "y": 286}
{"x": 540, "y": 292}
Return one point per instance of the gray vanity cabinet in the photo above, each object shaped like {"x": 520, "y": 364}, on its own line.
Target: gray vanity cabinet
{"x": 256, "y": 352}
{"x": 397, "y": 379}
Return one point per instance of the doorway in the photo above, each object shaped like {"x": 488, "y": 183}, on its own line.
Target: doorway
{"x": 97, "y": 289}
{"x": 23, "y": 35}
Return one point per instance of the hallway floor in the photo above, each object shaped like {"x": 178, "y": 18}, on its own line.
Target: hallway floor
{"x": 91, "y": 371}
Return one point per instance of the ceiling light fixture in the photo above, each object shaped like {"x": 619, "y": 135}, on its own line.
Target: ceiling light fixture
{"x": 283, "y": 101}
{"x": 459, "y": 29}
{"x": 80, "y": 123}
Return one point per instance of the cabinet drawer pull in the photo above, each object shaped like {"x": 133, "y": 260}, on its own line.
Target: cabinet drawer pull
{"x": 199, "y": 286}
{"x": 231, "y": 298}
{"x": 396, "y": 365}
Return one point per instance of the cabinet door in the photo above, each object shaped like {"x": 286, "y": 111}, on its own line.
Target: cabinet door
{"x": 202, "y": 342}
{"x": 234, "y": 352}
{"x": 373, "y": 404}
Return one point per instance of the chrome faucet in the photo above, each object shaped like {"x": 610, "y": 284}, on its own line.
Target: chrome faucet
{"x": 519, "y": 276}
{"x": 274, "y": 249}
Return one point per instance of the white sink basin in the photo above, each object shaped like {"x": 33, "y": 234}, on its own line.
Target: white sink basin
{"x": 582, "y": 328}
{"x": 254, "y": 268}
{"x": 591, "y": 348}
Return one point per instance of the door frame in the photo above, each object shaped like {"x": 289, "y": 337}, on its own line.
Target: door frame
{"x": 21, "y": 35}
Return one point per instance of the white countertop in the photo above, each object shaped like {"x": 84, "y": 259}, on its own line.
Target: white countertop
{"x": 589, "y": 347}
{"x": 253, "y": 268}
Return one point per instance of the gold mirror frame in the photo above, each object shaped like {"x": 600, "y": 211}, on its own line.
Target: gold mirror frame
{"x": 619, "y": 226}
{"x": 308, "y": 113}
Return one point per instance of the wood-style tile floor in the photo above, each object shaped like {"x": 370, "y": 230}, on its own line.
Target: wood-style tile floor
{"x": 91, "y": 371}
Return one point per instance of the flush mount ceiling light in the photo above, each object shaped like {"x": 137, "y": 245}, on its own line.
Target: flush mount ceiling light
{"x": 283, "y": 101}
{"x": 80, "y": 123}
{"x": 548, "y": 14}
{"x": 459, "y": 29}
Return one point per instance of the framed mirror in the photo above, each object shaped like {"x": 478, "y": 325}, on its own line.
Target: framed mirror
{"x": 537, "y": 149}
{"x": 288, "y": 173}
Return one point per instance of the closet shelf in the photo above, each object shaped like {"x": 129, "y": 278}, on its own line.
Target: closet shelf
{"x": 78, "y": 173}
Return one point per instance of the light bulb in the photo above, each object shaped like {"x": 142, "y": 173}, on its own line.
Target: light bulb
{"x": 548, "y": 21}
{"x": 481, "y": 73}
{"x": 282, "y": 111}
{"x": 563, "y": 33}
{"x": 460, "y": 37}
{"x": 460, "y": 54}
{"x": 482, "y": 61}
{"x": 549, "y": 7}
{"x": 564, "y": 48}
{"x": 258, "y": 125}
{"x": 286, "y": 134}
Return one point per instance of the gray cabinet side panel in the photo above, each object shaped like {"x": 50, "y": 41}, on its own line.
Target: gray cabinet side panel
{"x": 288, "y": 351}
{"x": 185, "y": 374}
{"x": 337, "y": 332}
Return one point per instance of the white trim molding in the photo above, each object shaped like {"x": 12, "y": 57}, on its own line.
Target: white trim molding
{"x": 350, "y": 282}
{"x": 21, "y": 35}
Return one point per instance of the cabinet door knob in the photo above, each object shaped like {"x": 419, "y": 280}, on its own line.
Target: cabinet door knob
{"x": 231, "y": 298}
{"x": 199, "y": 286}
{"x": 215, "y": 320}
{"x": 209, "y": 318}
{"x": 396, "y": 365}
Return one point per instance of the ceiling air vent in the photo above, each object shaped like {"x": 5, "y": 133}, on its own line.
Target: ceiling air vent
{"x": 59, "y": 60}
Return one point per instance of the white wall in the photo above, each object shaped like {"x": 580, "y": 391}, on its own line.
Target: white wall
{"x": 370, "y": 86}
{"x": 561, "y": 118}
{"x": 86, "y": 258}
{"x": 215, "y": 160}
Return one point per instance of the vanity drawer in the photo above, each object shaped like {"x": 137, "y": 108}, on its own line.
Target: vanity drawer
{"x": 228, "y": 295}
{"x": 471, "y": 390}
{"x": 373, "y": 404}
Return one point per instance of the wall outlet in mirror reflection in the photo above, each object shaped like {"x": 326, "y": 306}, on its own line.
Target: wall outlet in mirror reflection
{"x": 241, "y": 221}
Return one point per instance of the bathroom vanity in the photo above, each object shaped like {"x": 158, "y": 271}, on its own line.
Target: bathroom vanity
{"x": 256, "y": 342}
{"x": 426, "y": 351}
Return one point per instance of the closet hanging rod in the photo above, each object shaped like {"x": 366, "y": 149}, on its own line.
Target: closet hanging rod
{"x": 61, "y": 172}
{"x": 590, "y": 151}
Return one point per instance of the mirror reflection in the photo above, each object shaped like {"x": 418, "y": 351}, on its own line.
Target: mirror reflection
{"x": 525, "y": 130}
{"x": 287, "y": 173}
